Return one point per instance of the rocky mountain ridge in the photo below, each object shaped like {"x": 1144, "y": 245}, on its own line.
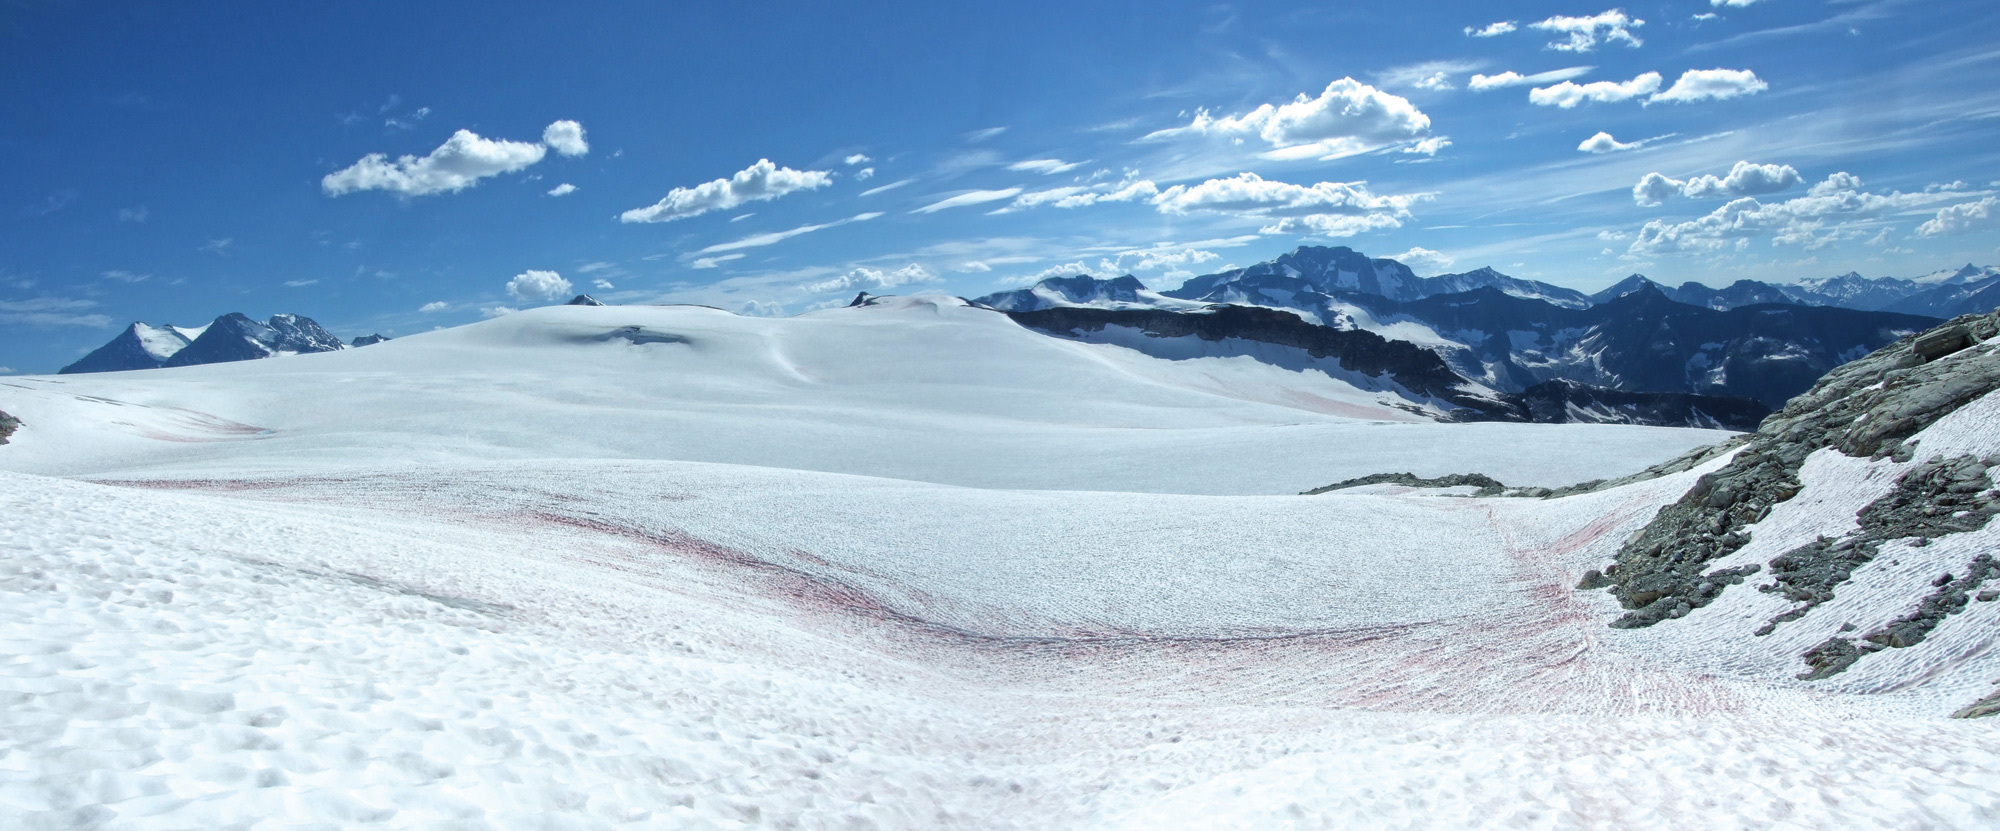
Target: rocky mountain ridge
{"x": 231, "y": 337}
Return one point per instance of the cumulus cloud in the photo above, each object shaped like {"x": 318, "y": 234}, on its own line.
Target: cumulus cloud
{"x": 459, "y": 163}
{"x": 1604, "y": 143}
{"x": 1424, "y": 261}
{"x": 1326, "y": 208}
{"x": 1831, "y": 211}
{"x": 497, "y": 311}
{"x": 1077, "y": 196}
{"x": 1347, "y": 117}
{"x": 602, "y": 284}
{"x": 1961, "y": 217}
{"x": 565, "y": 137}
{"x": 759, "y": 182}
{"x": 1744, "y": 179}
{"x": 1585, "y": 33}
{"x": 1717, "y": 84}
{"x": 563, "y": 189}
{"x": 976, "y": 197}
{"x": 1492, "y": 29}
{"x": 760, "y": 308}
{"x": 858, "y": 158}
{"x": 868, "y": 278}
{"x": 1569, "y": 94}
{"x": 1157, "y": 257}
{"x": 532, "y": 285}
{"x": 1044, "y": 166}
{"x": 1510, "y": 78}
{"x": 864, "y": 174}
{"x": 434, "y": 307}
{"x": 775, "y": 237}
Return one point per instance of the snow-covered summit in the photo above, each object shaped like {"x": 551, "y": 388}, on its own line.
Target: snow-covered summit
{"x": 231, "y": 337}
{"x": 1082, "y": 290}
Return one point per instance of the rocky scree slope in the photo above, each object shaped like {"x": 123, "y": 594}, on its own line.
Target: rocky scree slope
{"x": 1865, "y": 409}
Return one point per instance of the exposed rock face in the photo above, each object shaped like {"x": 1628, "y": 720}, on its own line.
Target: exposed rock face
{"x": 1644, "y": 341}
{"x": 234, "y": 337}
{"x": 1559, "y": 401}
{"x": 1416, "y": 369}
{"x": 8, "y": 424}
{"x": 1487, "y": 485}
{"x": 1864, "y": 409}
{"x": 584, "y": 300}
{"x": 140, "y": 346}
{"x": 1320, "y": 270}
{"x": 369, "y": 340}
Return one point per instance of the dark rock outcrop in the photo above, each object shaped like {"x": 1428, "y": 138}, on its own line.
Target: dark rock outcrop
{"x": 369, "y": 340}
{"x": 1559, "y": 401}
{"x": 584, "y": 300}
{"x": 1487, "y": 485}
{"x": 8, "y": 424}
{"x": 1865, "y": 409}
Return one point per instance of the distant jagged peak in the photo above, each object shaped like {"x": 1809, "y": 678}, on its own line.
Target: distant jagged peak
{"x": 584, "y": 300}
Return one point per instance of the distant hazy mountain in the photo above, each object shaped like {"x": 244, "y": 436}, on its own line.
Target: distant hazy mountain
{"x": 1948, "y": 293}
{"x": 231, "y": 337}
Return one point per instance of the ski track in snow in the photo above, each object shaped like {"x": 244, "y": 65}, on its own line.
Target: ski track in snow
{"x": 250, "y": 632}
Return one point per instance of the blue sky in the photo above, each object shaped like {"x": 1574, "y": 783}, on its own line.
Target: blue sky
{"x": 172, "y": 162}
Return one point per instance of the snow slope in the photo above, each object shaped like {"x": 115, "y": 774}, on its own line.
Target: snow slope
{"x": 513, "y": 576}
{"x": 914, "y": 388}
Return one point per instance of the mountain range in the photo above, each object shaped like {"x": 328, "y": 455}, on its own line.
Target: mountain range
{"x": 231, "y": 337}
{"x": 1755, "y": 340}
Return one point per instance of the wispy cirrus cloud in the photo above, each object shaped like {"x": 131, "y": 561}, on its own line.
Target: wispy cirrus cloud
{"x": 775, "y": 237}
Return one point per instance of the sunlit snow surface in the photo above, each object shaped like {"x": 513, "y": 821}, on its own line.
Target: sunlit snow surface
{"x": 877, "y": 568}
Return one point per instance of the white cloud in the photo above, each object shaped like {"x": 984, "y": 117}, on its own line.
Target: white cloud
{"x": 1044, "y": 166}
{"x": 759, "y": 182}
{"x": 1492, "y": 29}
{"x": 1568, "y": 94}
{"x": 1744, "y": 179}
{"x": 1064, "y": 270}
{"x": 533, "y": 285}
{"x": 976, "y": 197}
{"x": 594, "y": 267}
{"x": 219, "y": 246}
{"x": 1604, "y": 143}
{"x": 433, "y": 307}
{"x": 888, "y": 187}
{"x": 858, "y": 158}
{"x": 1585, "y": 33}
{"x": 775, "y": 237}
{"x": 1510, "y": 78}
{"x": 977, "y": 136}
{"x": 1831, "y": 211}
{"x": 497, "y": 311}
{"x": 565, "y": 137}
{"x": 760, "y": 308}
{"x": 563, "y": 189}
{"x": 1157, "y": 257}
{"x": 602, "y": 284}
{"x": 1717, "y": 84}
{"x": 1962, "y": 217}
{"x": 867, "y": 278}
{"x": 864, "y": 174}
{"x": 299, "y": 284}
{"x": 1326, "y": 208}
{"x": 123, "y": 276}
{"x": 1347, "y": 117}
{"x": 1424, "y": 261}
{"x": 1429, "y": 146}
{"x": 459, "y": 163}
{"x": 974, "y": 266}
{"x": 712, "y": 262}
{"x": 48, "y": 312}
{"x": 1706, "y": 16}
{"x": 1734, "y": 4}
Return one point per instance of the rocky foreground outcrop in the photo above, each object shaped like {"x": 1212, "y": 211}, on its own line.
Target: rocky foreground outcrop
{"x": 8, "y": 424}
{"x": 1866, "y": 409}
